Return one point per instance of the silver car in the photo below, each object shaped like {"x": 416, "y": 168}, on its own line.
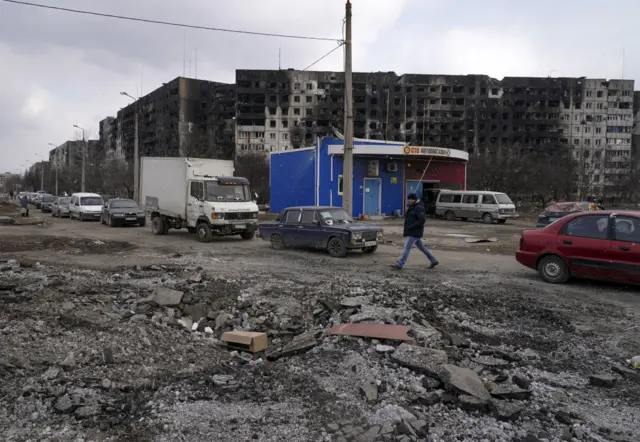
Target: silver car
{"x": 60, "y": 206}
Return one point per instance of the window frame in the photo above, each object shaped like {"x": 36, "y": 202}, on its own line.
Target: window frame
{"x": 314, "y": 217}
{"x": 286, "y": 217}
{"x": 564, "y": 230}
{"x": 613, "y": 227}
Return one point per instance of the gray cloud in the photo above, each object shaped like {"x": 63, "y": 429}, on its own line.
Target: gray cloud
{"x": 61, "y": 69}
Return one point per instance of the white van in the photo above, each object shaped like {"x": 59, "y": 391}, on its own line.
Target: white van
{"x": 485, "y": 205}
{"x": 85, "y": 206}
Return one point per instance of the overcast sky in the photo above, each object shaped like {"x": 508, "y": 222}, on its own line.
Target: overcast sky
{"x": 59, "y": 69}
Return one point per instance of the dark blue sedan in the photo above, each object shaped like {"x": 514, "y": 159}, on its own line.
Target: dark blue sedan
{"x": 327, "y": 228}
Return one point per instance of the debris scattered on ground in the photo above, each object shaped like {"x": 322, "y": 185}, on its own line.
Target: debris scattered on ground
{"x": 368, "y": 330}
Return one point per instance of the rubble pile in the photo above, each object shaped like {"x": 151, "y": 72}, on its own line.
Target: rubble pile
{"x": 136, "y": 353}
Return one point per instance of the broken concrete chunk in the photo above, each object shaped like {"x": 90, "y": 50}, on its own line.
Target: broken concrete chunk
{"x": 603, "y": 380}
{"x": 568, "y": 418}
{"x": 491, "y": 362}
{"x": 510, "y": 392}
{"x": 370, "y": 390}
{"x": 87, "y": 411}
{"x": 51, "y": 373}
{"x": 107, "y": 356}
{"x": 69, "y": 361}
{"x": 505, "y": 411}
{"x": 464, "y": 380}
{"x": 471, "y": 403}
{"x": 420, "y": 359}
{"x": 384, "y": 348}
{"x": 425, "y": 333}
{"x": 522, "y": 382}
{"x": 64, "y": 404}
{"x": 167, "y": 297}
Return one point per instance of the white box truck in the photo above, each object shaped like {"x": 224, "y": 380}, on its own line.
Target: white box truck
{"x": 199, "y": 194}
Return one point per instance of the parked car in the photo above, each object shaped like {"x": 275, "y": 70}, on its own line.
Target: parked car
{"x": 554, "y": 211}
{"x": 45, "y": 203}
{"x": 120, "y": 212}
{"x": 37, "y": 200}
{"x": 60, "y": 206}
{"x": 327, "y": 228}
{"x": 85, "y": 206}
{"x": 483, "y": 205}
{"x": 599, "y": 244}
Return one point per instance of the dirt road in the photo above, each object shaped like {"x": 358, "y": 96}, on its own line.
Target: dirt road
{"x": 87, "y": 352}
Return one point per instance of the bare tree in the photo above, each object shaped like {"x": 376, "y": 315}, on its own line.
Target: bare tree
{"x": 254, "y": 166}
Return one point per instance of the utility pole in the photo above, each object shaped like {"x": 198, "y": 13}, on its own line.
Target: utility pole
{"x": 347, "y": 172}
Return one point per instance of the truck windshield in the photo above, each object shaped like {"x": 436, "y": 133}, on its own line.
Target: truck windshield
{"x": 234, "y": 192}
{"x": 503, "y": 198}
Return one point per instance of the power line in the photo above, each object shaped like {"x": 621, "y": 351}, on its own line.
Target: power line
{"x": 340, "y": 44}
{"x": 167, "y": 23}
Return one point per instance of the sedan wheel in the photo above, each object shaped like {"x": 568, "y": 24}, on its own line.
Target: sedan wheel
{"x": 277, "y": 242}
{"x": 337, "y": 248}
{"x": 553, "y": 270}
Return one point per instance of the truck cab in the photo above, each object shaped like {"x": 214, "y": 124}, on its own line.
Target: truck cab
{"x": 221, "y": 206}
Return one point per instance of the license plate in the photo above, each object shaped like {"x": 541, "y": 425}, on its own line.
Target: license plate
{"x": 130, "y": 218}
{"x": 370, "y": 243}
{"x": 240, "y": 226}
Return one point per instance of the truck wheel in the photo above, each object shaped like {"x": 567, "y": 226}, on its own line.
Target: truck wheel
{"x": 277, "y": 242}
{"x": 247, "y": 235}
{"x": 487, "y": 218}
{"x": 157, "y": 226}
{"x": 204, "y": 232}
{"x": 371, "y": 249}
{"x": 337, "y": 248}
{"x": 449, "y": 215}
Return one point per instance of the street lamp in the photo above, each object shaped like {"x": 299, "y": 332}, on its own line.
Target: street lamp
{"x": 41, "y": 171}
{"x": 84, "y": 156}
{"x": 136, "y": 158}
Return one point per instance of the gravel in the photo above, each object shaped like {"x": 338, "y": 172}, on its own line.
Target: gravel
{"x": 133, "y": 355}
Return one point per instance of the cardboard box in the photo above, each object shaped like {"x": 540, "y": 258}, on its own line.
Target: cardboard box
{"x": 246, "y": 341}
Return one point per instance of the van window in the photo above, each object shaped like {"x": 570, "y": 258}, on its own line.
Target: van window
{"x": 450, "y": 198}
{"x": 503, "y": 198}
{"x": 488, "y": 199}
{"x": 91, "y": 201}
{"x": 470, "y": 199}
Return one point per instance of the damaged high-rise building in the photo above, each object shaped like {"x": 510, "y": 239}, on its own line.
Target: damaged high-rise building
{"x": 284, "y": 109}
{"x": 184, "y": 117}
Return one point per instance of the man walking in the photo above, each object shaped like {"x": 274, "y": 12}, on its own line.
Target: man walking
{"x": 414, "y": 220}
{"x": 25, "y": 205}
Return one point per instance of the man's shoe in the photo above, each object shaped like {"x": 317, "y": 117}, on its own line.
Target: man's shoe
{"x": 396, "y": 267}
{"x": 433, "y": 264}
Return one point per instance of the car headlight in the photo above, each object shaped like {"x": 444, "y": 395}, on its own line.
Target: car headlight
{"x": 254, "y": 215}
{"x": 217, "y": 215}
{"x": 357, "y": 236}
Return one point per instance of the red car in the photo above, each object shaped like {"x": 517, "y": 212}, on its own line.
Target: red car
{"x": 599, "y": 245}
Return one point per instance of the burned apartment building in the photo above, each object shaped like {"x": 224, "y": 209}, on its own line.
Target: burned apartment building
{"x": 69, "y": 154}
{"x": 107, "y": 135}
{"x": 279, "y": 110}
{"x": 184, "y": 117}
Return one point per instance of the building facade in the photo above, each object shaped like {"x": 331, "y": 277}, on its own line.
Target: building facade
{"x": 184, "y": 117}
{"x": 384, "y": 173}
{"x": 280, "y": 110}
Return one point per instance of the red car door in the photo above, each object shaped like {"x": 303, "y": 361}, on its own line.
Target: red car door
{"x": 584, "y": 241}
{"x": 624, "y": 253}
